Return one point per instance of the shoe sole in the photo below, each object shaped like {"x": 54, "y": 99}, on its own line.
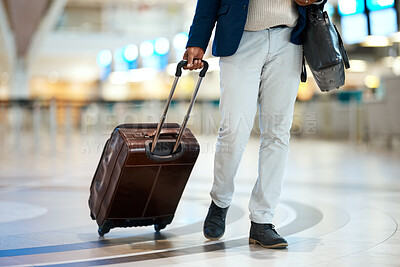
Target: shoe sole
{"x": 275, "y": 246}
{"x": 212, "y": 238}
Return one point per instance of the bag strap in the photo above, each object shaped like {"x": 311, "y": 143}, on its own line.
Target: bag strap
{"x": 303, "y": 75}
{"x": 342, "y": 50}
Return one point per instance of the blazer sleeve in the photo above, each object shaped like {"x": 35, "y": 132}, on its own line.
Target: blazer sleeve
{"x": 203, "y": 23}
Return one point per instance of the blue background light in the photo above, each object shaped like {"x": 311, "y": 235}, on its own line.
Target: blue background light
{"x": 180, "y": 41}
{"x": 330, "y": 9}
{"x": 130, "y": 53}
{"x": 147, "y": 49}
{"x": 104, "y": 58}
{"x": 350, "y": 7}
{"x": 161, "y": 46}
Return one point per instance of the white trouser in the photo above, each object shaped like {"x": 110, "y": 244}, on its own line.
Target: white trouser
{"x": 264, "y": 71}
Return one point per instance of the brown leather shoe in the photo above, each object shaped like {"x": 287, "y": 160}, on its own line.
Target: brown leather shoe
{"x": 266, "y": 236}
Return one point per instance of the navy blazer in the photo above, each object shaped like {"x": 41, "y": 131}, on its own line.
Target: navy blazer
{"x": 230, "y": 16}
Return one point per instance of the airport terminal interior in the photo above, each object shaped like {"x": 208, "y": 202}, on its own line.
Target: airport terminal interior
{"x": 73, "y": 70}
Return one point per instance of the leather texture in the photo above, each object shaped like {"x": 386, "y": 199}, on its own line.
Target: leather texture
{"x": 324, "y": 50}
{"x": 131, "y": 189}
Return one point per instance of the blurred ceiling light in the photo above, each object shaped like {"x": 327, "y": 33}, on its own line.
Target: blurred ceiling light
{"x": 376, "y": 41}
{"x": 180, "y": 41}
{"x": 372, "y": 81}
{"x": 161, "y": 46}
{"x": 146, "y": 49}
{"x": 358, "y": 65}
{"x": 104, "y": 58}
{"x": 118, "y": 77}
{"x": 131, "y": 52}
{"x": 141, "y": 75}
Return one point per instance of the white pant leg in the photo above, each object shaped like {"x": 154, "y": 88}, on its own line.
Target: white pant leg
{"x": 240, "y": 80}
{"x": 278, "y": 90}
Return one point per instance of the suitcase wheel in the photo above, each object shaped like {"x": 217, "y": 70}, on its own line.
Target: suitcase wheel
{"x": 105, "y": 227}
{"x": 103, "y": 230}
{"x": 159, "y": 227}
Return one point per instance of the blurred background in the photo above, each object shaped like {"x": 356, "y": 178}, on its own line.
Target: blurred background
{"x": 74, "y": 69}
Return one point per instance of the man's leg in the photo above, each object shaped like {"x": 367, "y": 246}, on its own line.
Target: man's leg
{"x": 240, "y": 79}
{"x": 279, "y": 84}
{"x": 278, "y": 90}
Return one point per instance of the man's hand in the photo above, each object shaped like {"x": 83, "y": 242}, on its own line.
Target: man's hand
{"x": 190, "y": 55}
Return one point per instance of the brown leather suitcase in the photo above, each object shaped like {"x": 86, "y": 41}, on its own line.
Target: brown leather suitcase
{"x": 138, "y": 184}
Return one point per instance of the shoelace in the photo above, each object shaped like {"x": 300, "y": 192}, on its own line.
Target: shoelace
{"x": 219, "y": 213}
{"x": 269, "y": 227}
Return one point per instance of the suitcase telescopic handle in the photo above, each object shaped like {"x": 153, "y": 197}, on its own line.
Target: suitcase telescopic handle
{"x": 178, "y": 74}
{"x": 183, "y": 63}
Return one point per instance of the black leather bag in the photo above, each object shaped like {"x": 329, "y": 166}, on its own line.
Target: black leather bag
{"x": 324, "y": 51}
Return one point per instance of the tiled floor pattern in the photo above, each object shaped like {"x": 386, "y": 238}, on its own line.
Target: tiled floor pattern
{"x": 340, "y": 207}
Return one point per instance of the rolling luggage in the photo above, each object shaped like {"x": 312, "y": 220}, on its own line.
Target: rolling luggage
{"x": 138, "y": 183}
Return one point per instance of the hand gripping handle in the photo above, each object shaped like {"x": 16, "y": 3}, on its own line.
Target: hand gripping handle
{"x": 183, "y": 63}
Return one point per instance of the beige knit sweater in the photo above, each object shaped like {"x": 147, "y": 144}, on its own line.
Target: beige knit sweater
{"x": 263, "y": 14}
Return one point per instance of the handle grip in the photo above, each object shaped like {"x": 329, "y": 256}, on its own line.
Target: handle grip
{"x": 183, "y": 63}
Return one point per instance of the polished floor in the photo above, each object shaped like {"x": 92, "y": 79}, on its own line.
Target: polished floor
{"x": 340, "y": 207}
